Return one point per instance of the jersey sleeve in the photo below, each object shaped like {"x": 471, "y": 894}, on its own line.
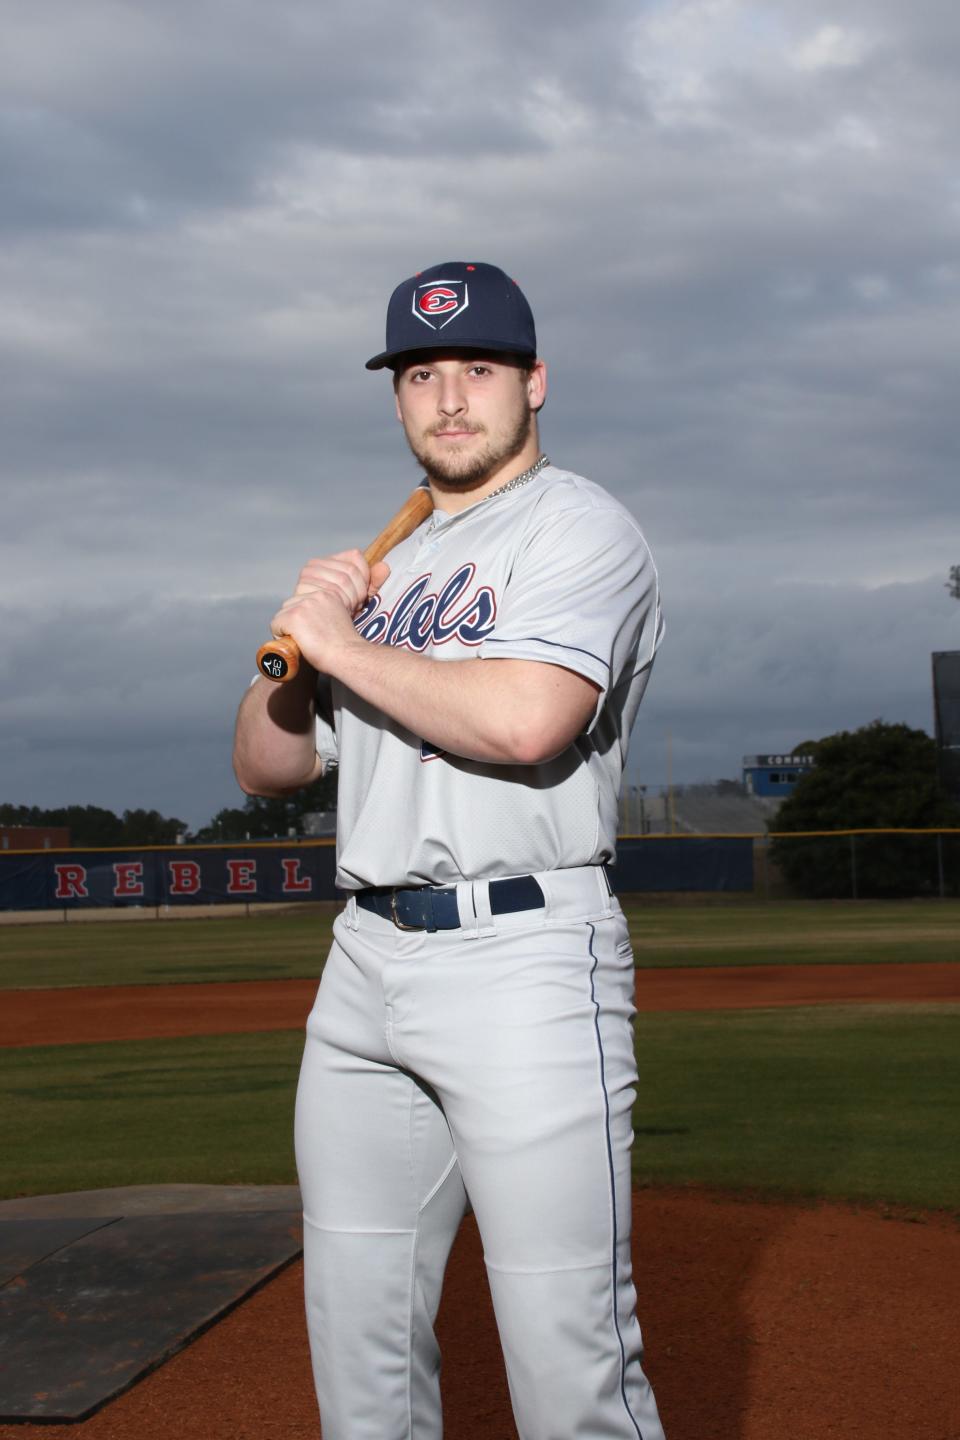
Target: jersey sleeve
{"x": 584, "y": 594}
{"x": 326, "y": 741}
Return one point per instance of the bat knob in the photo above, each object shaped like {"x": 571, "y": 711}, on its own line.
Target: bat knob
{"x": 279, "y": 659}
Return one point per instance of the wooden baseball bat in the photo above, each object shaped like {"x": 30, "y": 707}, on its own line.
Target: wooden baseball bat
{"x": 279, "y": 659}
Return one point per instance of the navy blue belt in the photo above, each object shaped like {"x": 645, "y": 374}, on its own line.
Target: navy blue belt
{"x": 434, "y": 907}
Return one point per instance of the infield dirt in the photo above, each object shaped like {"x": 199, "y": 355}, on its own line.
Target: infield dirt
{"x": 762, "y": 1321}
{"x": 143, "y": 1012}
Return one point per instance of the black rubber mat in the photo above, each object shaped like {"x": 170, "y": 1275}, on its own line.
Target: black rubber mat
{"x": 24, "y": 1243}
{"x": 87, "y": 1307}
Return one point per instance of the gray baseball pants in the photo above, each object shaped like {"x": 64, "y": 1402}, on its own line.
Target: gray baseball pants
{"x": 496, "y": 1062}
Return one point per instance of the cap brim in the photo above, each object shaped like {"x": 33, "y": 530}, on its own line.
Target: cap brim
{"x": 388, "y": 358}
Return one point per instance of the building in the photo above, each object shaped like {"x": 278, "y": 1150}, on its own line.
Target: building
{"x": 34, "y": 837}
{"x": 946, "y": 719}
{"x": 319, "y": 824}
{"x": 774, "y": 776}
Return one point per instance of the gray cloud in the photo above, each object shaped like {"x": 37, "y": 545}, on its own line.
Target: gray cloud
{"x": 737, "y": 225}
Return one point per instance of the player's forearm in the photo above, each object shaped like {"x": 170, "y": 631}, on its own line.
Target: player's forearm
{"x": 274, "y": 748}
{"x": 500, "y": 711}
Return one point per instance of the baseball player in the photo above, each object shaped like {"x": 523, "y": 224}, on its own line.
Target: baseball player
{"x": 471, "y": 1039}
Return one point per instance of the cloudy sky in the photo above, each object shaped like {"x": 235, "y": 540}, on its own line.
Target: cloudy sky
{"x": 737, "y": 222}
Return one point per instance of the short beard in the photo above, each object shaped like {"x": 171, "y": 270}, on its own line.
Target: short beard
{"x": 460, "y": 473}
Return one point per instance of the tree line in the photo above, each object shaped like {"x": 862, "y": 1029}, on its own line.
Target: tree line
{"x": 880, "y": 777}
{"x": 256, "y": 819}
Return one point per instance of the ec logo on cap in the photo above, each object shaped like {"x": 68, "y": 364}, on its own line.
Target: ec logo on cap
{"x": 440, "y": 299}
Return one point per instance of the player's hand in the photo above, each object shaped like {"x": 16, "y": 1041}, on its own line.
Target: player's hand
{"x": 346, "y": 573}
{"x": 319, "y": 613}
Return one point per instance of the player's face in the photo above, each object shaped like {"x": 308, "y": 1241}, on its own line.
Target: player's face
{"x": 467, "y": 417}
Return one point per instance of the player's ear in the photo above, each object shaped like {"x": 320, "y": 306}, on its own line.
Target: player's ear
{"x": 537, "y": 385}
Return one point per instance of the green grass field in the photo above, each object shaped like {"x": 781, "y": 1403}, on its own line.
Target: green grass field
{"x": 795, "y": 932}
{"x": 215, "y": 1110}
{"x": 281, "y": 946}
{"x": 861, "y": 1102}
{"x": 293, "y": 943}
{"x": 857, "y": 1102}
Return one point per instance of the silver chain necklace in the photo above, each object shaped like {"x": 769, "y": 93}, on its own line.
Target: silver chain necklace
{"x": 513, "y": 484}
{"x": 520, "y": 479}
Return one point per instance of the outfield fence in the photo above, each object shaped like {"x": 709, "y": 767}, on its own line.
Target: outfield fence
{"x": 823, "y": 864}
{"x": 165, "y": 876}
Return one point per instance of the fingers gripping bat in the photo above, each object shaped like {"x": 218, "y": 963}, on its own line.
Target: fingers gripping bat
{"x": 279, "y": 659}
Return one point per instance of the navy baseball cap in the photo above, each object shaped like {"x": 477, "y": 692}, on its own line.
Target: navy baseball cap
{"x": 458, "y": 306}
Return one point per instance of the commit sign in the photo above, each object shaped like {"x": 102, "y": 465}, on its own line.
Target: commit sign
{"x": 205, "y": 876}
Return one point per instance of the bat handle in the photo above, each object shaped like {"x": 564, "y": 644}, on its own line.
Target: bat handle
{"x": 279, "y": 659}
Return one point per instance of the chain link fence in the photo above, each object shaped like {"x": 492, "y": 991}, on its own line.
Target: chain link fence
{"x": 859, "y": 864}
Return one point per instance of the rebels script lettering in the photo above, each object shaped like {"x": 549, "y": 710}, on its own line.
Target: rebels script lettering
{"x": 421, "y": 617}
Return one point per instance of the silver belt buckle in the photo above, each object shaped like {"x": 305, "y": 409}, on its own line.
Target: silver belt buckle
{"x": 396, "y": 918}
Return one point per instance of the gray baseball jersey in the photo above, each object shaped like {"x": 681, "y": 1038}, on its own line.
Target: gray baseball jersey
{"x": 557, "y": 571}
